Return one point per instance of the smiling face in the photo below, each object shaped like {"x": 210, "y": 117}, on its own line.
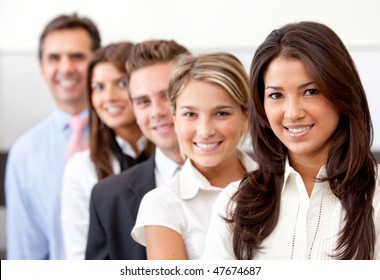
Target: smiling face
{"x": 209, "y": 124}
{"x": 110, "y": 98}
{"x": 148, "y": 86}
{"x": 65, "y": 58}
{"x": 299, "y": 114}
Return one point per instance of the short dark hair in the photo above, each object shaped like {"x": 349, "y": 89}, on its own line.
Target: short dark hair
{"x": 71, "y": 22}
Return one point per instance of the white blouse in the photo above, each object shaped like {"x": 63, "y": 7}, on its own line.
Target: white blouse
{"x": 307, "y": 228}
{"x": 78, "y": 180}
{"x": 183, "y": 206}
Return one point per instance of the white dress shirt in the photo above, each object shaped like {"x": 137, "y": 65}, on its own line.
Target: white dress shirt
{"x": 165, "y": 168}
{"x": 307, "y": 228}
{"x": 183, "y": 206}
{"x": 78, "y": 180}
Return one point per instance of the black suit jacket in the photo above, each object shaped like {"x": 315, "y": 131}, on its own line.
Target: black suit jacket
{"x": 114, "y": 204}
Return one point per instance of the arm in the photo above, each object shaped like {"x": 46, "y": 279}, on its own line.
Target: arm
{"x": 219, "y": 237}
{"x": 163, "y": 243}
{"x": 75, "y": 206}
{"x": 159, "y": 225}
{"x": 25, "y": 237}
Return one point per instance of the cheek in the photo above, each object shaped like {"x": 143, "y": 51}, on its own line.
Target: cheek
{"x": 95, "y": 100}
{"x": 181, "y": 129}
{"x": 234, "y": 131}
{"x": 47, "y": 72}
{"x": 272, "y": 114}
{"x": 142, "y": 118}
{"x": 82, "y": 68}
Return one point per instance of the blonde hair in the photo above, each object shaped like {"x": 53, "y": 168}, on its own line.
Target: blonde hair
{"x": 219, "y": 68}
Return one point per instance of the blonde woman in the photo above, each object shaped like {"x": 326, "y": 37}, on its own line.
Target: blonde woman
{"x": 208, "y": 96}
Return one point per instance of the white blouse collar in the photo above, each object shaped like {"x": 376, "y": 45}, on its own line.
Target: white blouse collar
{"x": 191, "y": 180}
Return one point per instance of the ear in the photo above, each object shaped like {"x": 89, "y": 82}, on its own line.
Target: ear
{"x": 43, "y": 73}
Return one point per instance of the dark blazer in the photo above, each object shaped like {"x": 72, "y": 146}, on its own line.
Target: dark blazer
{"x": 114, "y": 204}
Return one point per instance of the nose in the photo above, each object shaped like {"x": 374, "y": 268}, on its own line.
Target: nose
{"x": 205, "y": 127}
{"x": 159, "y": 109}
{"x": 294, "y": 109}
{"x": 66, "y": 65}
{"x": 110, "y": 92}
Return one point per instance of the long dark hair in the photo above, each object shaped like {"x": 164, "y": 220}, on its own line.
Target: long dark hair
{"x": 102, "y": 138}
{"x": 351, "y": 167}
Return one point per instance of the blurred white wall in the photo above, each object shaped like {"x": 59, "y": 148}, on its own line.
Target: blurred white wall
{"x": 195, "y": 23}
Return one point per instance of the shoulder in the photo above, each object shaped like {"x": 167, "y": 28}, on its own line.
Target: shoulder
{"x": 25, "y": 144}
{"x": 224, "y": 200}
{"x": 80, "y": 160}
{"x": 165, "y": 194}
{"x": 79, "y": 172}
{"x": 133, "y": 180}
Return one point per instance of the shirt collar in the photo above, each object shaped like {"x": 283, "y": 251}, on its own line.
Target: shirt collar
{"x": 289, "y": 171}
{"x": 61, "y": 118}
{"x": 191, "y": 180}
{"x": 165, "y": 166}
{"x": 126, "y": 147}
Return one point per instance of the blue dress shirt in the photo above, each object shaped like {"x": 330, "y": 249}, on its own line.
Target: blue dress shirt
{"x": 33, "y": 183}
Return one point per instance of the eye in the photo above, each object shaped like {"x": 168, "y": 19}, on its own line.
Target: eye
{"x": 77, "y": 56}
{"x": 53, "y": 57}
{"x": 222, "y": 114}
{"x": 189, "y": 115}
{"x": 142, "y": 102}
{"x": 311, "y": 91}
{"x": 97, "y": 87}
{"x": 121, "y": 83}
{"x": 275, "y": 95}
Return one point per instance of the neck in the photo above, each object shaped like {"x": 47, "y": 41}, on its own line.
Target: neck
{"x": 308, "y": 169}
{"x": 222, "y": 175}
{"x": 131, "y": 134}
{"x": 174, "y": 154}
{"x": 72, "y": 108}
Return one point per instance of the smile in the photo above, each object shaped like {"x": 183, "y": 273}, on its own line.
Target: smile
{"x": 299, "y": 130}
{"x": 207, "y": 146}
{"x": 163, "y": 127}
{"x": 114, "y": 109}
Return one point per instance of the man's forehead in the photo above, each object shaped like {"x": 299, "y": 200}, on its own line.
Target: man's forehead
{"x": 67, "y": 41}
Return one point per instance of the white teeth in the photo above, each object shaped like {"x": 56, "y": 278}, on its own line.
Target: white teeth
{"x": 299, "y": 129}
{"x": 164, "y": 126}
{"x": 206, "y": 146}
{"x": 67, "y": 83}
{"x": 67, "y": 80}
{"x": 113, "y": 109}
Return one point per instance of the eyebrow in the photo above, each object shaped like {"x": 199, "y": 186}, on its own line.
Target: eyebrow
{"x": 299, "y": 87}
{"x": 219, "y": 107}
{"x": 115, "y": 80}
{"x": 140, "y": 97}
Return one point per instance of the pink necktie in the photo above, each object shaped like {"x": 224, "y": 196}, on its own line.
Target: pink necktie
{"x": 77, "y": 141}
